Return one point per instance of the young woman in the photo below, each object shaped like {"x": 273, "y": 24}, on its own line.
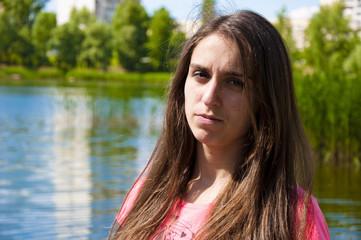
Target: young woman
{"x": 232, "y": 156}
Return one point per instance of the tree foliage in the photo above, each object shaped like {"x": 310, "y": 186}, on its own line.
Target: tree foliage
{"x": 42, "y": 30}
{"x": 68, "y": 38}
{"x": 96, "y": 48}
{"x": 330, "y": 38}
{"x": 82, "y": 41}
{"x": 175, "y": 47}
{"x": 15, "y": 45}
{"x": 284, "y": 26}
{"x": 82, "y": 18}
{"x": 129, "y": 26}
{"x": 161, "y": 29}
{"x": 16, "y": 21}
{"x": 208, "y": 10}
{"x": 67, "y": 41}
{"x": 353, "y": 62}
{"x": 22, "y": 13}
{"x": 24, "y": 52}
{"x": 8, "y": 35}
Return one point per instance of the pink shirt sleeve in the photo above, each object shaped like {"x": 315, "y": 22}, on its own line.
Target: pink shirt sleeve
{"x": 316, "y": 224}
{"x": 319, "y": 229}
{"x": 129, "y": 201}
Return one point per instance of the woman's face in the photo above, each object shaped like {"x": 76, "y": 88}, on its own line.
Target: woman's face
{"x": 216, "y": 106}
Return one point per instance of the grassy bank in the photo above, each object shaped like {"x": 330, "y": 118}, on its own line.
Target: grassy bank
{"x": 19, "y": 73}
{"x": 14, "y": 73}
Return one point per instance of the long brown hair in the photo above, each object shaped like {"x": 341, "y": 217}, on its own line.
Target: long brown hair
{"x": 260, "y": 200}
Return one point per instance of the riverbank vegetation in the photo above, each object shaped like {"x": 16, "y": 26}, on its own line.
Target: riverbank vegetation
{"x": 136, "y": 47}
{"x": 20, "y": 75}
{"x": 330, "y": 107}
{"x": 327, "y": 74}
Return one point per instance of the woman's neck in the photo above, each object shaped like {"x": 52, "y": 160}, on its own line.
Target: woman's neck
{"x": 213, "y": 170}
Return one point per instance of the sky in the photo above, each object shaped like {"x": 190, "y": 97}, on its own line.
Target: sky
{"x": 189, "y": 9}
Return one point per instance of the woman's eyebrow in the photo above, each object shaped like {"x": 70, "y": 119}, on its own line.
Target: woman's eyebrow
{"x": 196, "y": 66}
{"x": 234, "y": 74}
{"x": 227, "y": 73}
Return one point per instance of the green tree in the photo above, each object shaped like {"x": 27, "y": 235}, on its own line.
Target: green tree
{"x": 176, "y": 44}
{"x": 19, "y": 16}
{"x": 42, "y": 29}
{"x": 24, "y": 50}
{"x": 22, "y": 13}
{"x": 208, "y": 10}
{"x": 82, "y": 18}
{"x": 8, "y": 35}
{"x": 67, "y": 42}
{"x": 353, "y": 62}
{"x": 284, "y": 26}
{"x": 15, "y": 44}
{"x": 330, "y": 38}
{"x": 68, "y": 38}
{"x": 161, "y": 28}
{"x": 96, "y": 48}
{"x": 129, "y": 26}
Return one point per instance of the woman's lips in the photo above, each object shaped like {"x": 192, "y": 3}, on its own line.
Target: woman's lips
{"x": 207, "y": 119}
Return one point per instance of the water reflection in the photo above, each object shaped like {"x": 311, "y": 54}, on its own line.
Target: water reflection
{"x": 339, "y": 194}
{"x": 25, "y": 169}
{"x": 72, "y": 173}
{"x": 68, "y": 155}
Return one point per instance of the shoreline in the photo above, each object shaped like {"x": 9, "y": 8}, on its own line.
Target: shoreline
{"x": 10, "y": 75}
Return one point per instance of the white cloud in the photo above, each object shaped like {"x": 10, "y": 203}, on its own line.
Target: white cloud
{"x": 303, "y": 13}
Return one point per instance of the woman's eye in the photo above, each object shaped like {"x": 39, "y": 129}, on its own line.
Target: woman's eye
{"x": 236, "y": 83}
{"x": 200, "y": 74}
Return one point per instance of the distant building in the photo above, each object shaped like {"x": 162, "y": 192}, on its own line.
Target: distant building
{"x": 352, "y": 10}
{"x": 103, "y": 9}
{"x": 189, "y": 27}
{"x": 300, "y": 21}
{"x": 298, "y": 31}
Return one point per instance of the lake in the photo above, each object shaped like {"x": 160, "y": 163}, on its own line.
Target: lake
{"x": 69, "y": 154}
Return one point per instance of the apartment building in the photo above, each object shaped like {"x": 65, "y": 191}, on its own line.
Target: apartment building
{"x": 300, "y": 23}
{"x": 352, "y": 10}
{"x": 103, "y": 9}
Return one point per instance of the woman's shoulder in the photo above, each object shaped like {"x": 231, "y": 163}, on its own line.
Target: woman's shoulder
{"x": 316, "y": 225}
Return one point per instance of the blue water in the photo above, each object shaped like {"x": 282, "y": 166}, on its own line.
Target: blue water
{"x": 68, "y": 155}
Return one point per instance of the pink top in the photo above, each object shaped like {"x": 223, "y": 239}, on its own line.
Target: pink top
{"x": 316, "y": 223}
{"x": 192, "y": 216}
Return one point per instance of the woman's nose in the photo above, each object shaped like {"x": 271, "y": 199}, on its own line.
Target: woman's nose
{"x": 211, "y": 93}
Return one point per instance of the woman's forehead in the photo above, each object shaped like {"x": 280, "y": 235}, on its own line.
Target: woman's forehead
{"x": 217, "y": 50}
